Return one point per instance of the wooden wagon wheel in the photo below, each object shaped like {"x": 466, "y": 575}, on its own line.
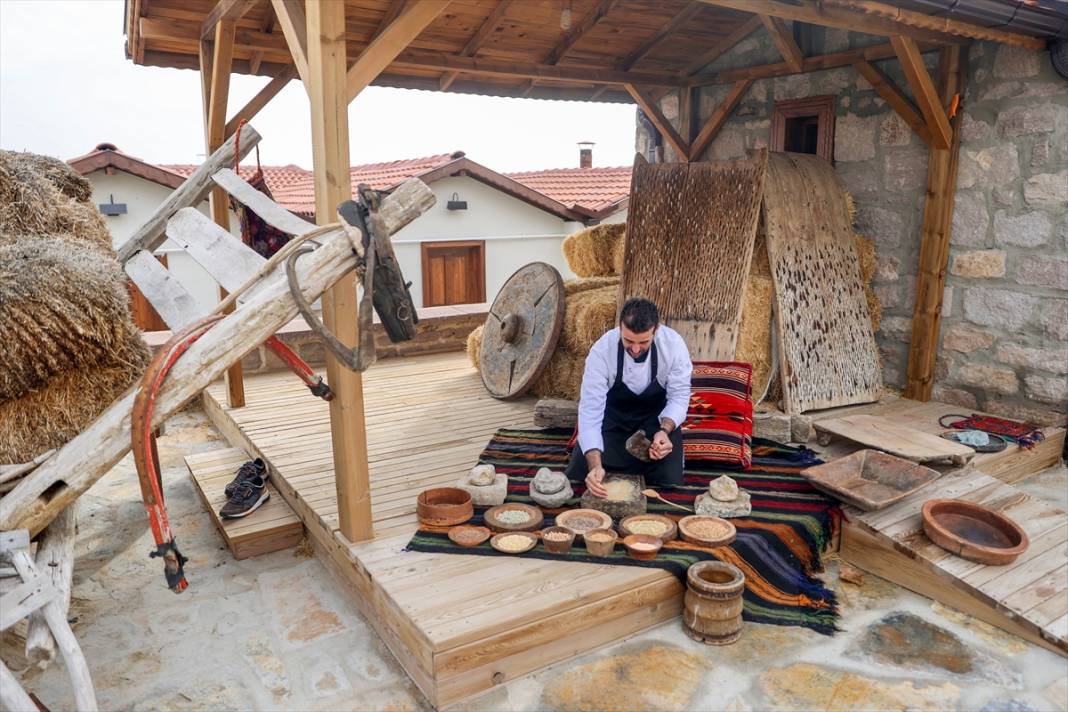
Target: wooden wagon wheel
{"x": 522, "y": 329}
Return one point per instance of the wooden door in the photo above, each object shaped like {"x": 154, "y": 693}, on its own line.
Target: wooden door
{"x": 144, "y": 314}
{"x": 454, "y": 273}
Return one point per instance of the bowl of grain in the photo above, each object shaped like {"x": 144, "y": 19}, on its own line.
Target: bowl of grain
{"x": 557, "y": 540}
{"x": 600, "y": 542}
{"x": 642, "y": 546}
{"x": 707, "y": 530}
{"x": 468, "y": 535}
{"x": 514, "y": 542}
{"x": 650, "y": 524}
{"x": 581, "y": 521}
{"x": 444, "y": 506}
{"x": 514, "y": 517}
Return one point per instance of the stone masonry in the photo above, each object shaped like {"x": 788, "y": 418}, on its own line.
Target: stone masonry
{"x": 1004, "y": 334}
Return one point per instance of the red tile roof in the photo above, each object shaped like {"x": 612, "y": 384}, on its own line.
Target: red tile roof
{"x": 277, "y": 177}
{"x": 589, "y": 189}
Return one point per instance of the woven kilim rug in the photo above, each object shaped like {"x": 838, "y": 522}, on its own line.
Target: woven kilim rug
{"x": 778, "y": 545}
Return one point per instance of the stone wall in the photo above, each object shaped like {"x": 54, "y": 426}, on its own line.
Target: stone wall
{"x": 1004, "y": 343}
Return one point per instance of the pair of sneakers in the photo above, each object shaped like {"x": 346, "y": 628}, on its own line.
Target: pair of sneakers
{"x": 247, "y": 491}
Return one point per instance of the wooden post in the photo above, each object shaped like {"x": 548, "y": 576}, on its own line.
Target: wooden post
{"x": 327, "y": 90}
{"x": 937, "y": 229}
{"x": 216, "y": 86}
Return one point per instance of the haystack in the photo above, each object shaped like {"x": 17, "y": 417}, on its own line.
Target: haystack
{"x": 41, "y": 196}
{"x": 865, "y": 247}
{"x": 50, "y": 416}
{"x": 754, "y": 333}
{"x": 587, "y": 315}
{"x": 574, "y": 286}
{"x": 591, "y": 252}
{"x": 474, "y": 345}
{"x": 562, "y": 378}
{"x": 61, "y": 308}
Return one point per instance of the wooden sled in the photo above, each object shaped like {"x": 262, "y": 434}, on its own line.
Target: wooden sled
{"x": 259, "y": 312}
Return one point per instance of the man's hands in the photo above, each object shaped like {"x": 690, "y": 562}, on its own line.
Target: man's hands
{"x": 661, "y": 447}
{"x": 595, "y": 476}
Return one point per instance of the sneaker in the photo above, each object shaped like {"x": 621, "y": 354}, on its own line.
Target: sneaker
{"x": 250, "y": 469}
{"x": 247, "y": 497}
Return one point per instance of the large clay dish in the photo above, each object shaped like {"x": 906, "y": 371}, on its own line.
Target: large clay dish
{"x": 973, "y": 532}
{"x": 669, "y": 533}
{"x": 870, "y": 479}
{"x": 727, "y": 532}
{"x": 444, "y": 506}
{"x": 571, "y": 518}
{"x": 492, "y": 518}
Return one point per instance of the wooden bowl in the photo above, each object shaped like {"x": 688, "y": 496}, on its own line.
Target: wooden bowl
{"x": 601, "y": 548}
{"x": 581, "y": 521}
{"x": 721, "y": 532}
{"x": 973, "y": 532}
{"x": 563, "y": 545}
{"x": 533, "y": 522}
{"x": 642, "y": 546}
{"x": 468, "y": 535}
{"x": 532, "y": 541}
{"x": 670, "y": 529}
{"x": 444, "y": 506}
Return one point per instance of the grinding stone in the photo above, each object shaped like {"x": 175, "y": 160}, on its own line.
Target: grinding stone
{"x": 740, "y": 507}
{"x": 554, "y": 500}
{"x": 486, "y": 495}
{"x": 617, "y": 509}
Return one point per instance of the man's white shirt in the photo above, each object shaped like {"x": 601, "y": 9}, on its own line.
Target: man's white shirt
{"x": 674, "y": 371}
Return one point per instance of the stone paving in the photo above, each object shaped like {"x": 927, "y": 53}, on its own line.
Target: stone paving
{"x": 276, "y": 632}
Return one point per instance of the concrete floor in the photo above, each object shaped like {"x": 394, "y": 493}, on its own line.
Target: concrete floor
{"x": 276, "y": 632}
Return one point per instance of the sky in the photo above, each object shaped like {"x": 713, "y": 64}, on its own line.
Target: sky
{"x": 65, "y": 86}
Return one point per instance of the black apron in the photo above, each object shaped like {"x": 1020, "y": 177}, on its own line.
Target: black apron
{"x": 626, "y": 412}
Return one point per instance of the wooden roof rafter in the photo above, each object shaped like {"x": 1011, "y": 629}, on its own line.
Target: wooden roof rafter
{"x": 481, "y": 35}
{"x": 572, "y": 36}
{"x": 225, "y": 10}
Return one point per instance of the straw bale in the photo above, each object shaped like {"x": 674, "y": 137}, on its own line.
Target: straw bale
{"x": 587, "y": 315}
{"x": 754, "y": 334}
{"x": 760, "y": 265}
{"x": 574, "y": 286}
{"x": 591, "y": 252}
{"x": 36, "y": 200}
{"x": 865, "y": 247}
{"x": 474, "y": 344}
{"x": 619, "y": 254}
{"x": 562, "y": 378}
{"x": 50, "y": 416}
{"x": 851, "y": 207}
{"x": 61, "y": 307}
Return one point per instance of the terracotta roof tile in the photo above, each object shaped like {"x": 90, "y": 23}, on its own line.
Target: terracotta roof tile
{"x": 593, "y": 189}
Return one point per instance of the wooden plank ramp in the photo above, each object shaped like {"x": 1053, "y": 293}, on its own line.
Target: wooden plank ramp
{"x": 1028, "y": 597}
{"x": 272, "y": 527}
{"x": 458, "y": 624}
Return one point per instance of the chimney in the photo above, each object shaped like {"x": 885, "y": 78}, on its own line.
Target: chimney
{"x": 585, "y": 154}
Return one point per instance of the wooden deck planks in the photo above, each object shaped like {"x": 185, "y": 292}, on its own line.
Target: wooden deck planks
{"x": 456, "y": 623}
{"x": 1025, "y": 597}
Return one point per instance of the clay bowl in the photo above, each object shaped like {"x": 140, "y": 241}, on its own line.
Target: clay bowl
{"x": 642, "y": 546}
{"x": 973, "y": 532}
{"x": 601, "y": 548}
{"x": 444, "y": 506}
{"x": 707, "y": 531}
{"x": 559, "y": 545}
{"x": 581, "y": 521}
{"x": 670, "y": 530}
{"x": 493, "y": 520}
{"x": 469, "y": 535}
{"x": 532, "y": 541}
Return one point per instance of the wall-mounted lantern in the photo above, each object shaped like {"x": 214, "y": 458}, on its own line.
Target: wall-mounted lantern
{"x": 454, "y": 203}
{"x": 112, "y": 209}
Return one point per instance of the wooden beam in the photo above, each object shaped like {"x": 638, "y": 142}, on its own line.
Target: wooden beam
{"x": 572, "y": 36}
{"x": 919, "y": 20}
{"x": 784, "y": 41}
{"x": 394, "y": 9}
{"x": 225, "y": 10}
{"x": 718, "y": 118}
{"x": 390, "y": 42}
{"x": 908, "y": 54}
{"x": 246, "y": 112}
{"x": 660, "y": 122}
{"x": 937, "y": 231}
{"x": 420, "y": 59}
{"x": 218, "y": 94}
{"x": 481, "y": 35}
{"x": 811, "y": 64}
{"x": 892, "y": 95}
{"x": 256, "y": 58}
{"x": 821, "y": 13}
{"x": 329, "y": 94}
{"x": 687, "y": 14}
{"x": 188, "y": 32}
{"x": 290, "y": 14}
{"x": 737, "y": 35}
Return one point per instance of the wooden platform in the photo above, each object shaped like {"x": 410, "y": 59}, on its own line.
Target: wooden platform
{"x": 458, "y": 624}
{"x": 272, "y": 527}
{"x": 1028, "y": 597}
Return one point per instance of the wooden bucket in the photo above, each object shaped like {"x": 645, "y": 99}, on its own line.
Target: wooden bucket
{"x": 713, "y": 601}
